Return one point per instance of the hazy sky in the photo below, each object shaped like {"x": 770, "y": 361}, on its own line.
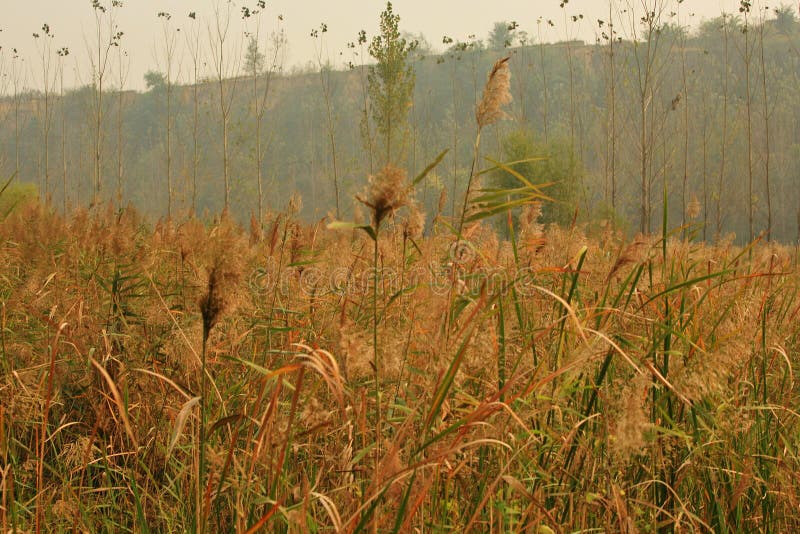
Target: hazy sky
{"x": 73, "y": 23}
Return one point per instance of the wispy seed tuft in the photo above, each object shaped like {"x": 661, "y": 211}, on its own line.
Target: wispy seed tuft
{"x": 386, "y": 193}
{"x": 496, "y": 94}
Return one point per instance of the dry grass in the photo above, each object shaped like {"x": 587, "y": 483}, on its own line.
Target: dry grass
{"x": 617, "y": 386}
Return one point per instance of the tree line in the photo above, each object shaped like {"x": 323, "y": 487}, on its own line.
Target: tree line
{"x": 651, "y": 116}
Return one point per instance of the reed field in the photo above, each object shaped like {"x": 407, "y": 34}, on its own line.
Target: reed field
{"x": 500, "y": 354}
{"x": 181, "y": 377}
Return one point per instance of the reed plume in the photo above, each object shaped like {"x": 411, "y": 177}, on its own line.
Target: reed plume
{"x": 386, "y": 192}
{"x": 693, "y": 208}
{"x": 212, "y": 303}
{"x": 414, "y": 223}
{"x": 496, "y": 94}
{"x": 223, "y": 278}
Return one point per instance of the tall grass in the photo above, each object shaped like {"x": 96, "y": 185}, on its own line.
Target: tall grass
{"x": 193, "y": 377}
{"x": 589, "y": 383}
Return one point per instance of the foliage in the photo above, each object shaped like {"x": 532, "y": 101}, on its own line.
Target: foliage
{"x": 15, "y": 195}
{"x": 154, "y": 80}
{"x": 391, "y": 84}
{"x": 502, "y": 36}
{"x": 253, "y": 58}
{"x": 556, "y": 168}
{"x": 786, "y": 20}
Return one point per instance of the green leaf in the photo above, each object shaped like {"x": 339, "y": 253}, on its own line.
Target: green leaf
{"x": 345, "y": 225}
{"x": 8, "y": 182}
{"x": 180, "y": 423}
{"x": 497, "y": 200}
{"x": 507, "y": 167}
{"x": 447, "y": 380}
{"x": 141, "y": 520}
{"x": 493, "y": 209}
{"x": 421, "y": 176}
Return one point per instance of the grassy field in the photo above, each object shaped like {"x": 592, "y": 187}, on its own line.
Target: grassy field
{"x": 184, "y": 377}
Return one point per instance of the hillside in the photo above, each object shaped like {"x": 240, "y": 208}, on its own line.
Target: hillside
{"x": 685, "y": 128}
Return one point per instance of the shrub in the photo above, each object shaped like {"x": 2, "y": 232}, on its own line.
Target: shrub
{"x": 16, "y": 194}
{"x": 558, "y": 167}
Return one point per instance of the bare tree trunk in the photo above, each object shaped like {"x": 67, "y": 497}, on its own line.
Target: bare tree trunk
{"x": 767, "y": 191}
{"x": 226, "y": 71}
{"x": 193, "y": 41}
{"x": 98, "y": 140}
{"x": 325, "y": 82}
{"x": 721, "y": 181}
{"x": 260, "y": 101}
{"x": 46, "y": 143}
{"x": 366, "y": 128}
{"x": 62, "y": 54}
{"x": 571, "y": 83}
{"x": 454, "y": 153}
{"x": 45, "y": 51}
{"x": 123, "y": 74}
{"x": 748, "y": 108}
{"x": 644, "y": 225}
{"x": 15, "y": 82}
{"x": 544, "y": 81}
{"x": 99, "y": 67}
{"x": 195, "y": 147}
{"x": 610, "y": 179}
{"x": 168, "y": 149}
{"x": 169, "y": 56}
{"x": 16, "y": 127}
{"x": 685, "y": 135}
{"x": 705, "y": 167}
{"x": 648, "y": 75}
{"x": 257, "y": 117}
{"x": 46, "y": 133}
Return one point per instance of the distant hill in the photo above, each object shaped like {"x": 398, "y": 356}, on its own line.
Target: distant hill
{"x": 695, "y": 138}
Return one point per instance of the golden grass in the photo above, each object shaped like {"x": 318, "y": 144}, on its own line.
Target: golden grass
{"x": 641, "y": 390}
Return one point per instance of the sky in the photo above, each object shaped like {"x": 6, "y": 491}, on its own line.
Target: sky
{"x": 72, "y": 22}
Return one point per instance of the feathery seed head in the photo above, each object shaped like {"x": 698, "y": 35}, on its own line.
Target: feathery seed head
{"x": 212, "y": 303}
{"x": 414, "y": 225}
{"x": 386, "y": 193}
{"x": 295, "y": 204}
{"x": 223, "y": 275}
{"x": 442, "y": 201}
{"x": 693, "y": 208}
{"x": 496, "y": 94}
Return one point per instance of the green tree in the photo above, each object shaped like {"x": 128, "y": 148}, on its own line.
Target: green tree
{"x": 391, "y": 84}
{"x": 785, "y": 20}
{"x": 253, "y": 58}
{"x": 13, "y": 195}
{"x": 154, "y": 80}
{"x": 554, "y": 163}
{"x": 502, "y": 35}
